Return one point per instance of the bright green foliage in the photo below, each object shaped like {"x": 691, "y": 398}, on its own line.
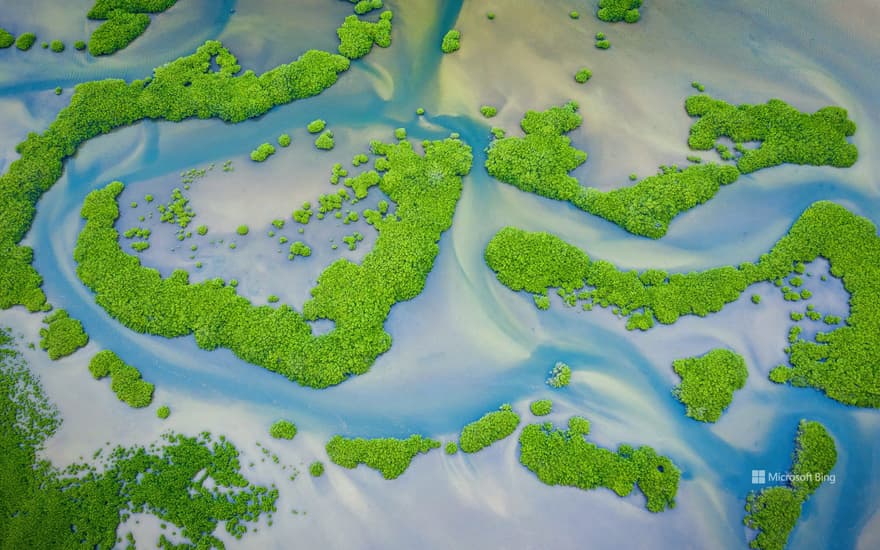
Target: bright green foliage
{"x": 560, "y": 375}
{"x": 583, "y": 75}
{"x": 177, "y": 212}
{"x": 362, "y": 183}
{"x": 325, "y": 141}
{"x": 316, "y": 126}
{"x": 25, "y": 41}
{"x": 843, "y": 363}
{"x": 603, "y": 44}
{"x": 284, "y": 140}
{"x": 163, "y": 412}
{"x": 140, "y": 246}
{"x": 420, "y": 111}
{"x": 182, "y": 89}
{"x": 488, "y": 111}
{"x": 57, "y": 46}
{"x": 775, "y": 510}
{"x": 353, "y": 240}
{"x": 451, "y": 41}
{"x": 360, "y": 159}
{"x": 357, "y": 297}
{"x": 831, "y": 320}
{"x": 564, "y": 457}
{"x": 79, "y": 45}
{"x": 786, "y": 135}
{"x": 400, "y": 133}
{"x": 316, "y": 468}
{"x": 84, "y": 505}
{"x": 541, "y": 407}
{"x": 708, "y": 382}
{"x": 451, "y": 448}
{"x": 491, "y": 427}
{"x": 356, "y": 37}
{"x": 283, "y": 429}
{"x": 202, "y": 230}
{"x": 299, "y": 248}
{"x": 389, "y": 456}
{"x": 697, "y": 86}
{"x": 125, "y": 380}
{"x": 63, "y": 336}
{"x": 490, "y": 15}
{"x": 619, "y": 10}
{"x": 262, "y": 152}
{"x": 756, "y": 299}
{"x": 242, "y": 230}
{"x": 58, "y": 90}
{"x": 103, "y": 9}
{"x": 600, "y": 36}
{"x": 574, "y": 15}
{"x": 302, "y": 216}
{"x": 366, "y": 6}
{"x": 7, "y": 39}
{"x": 120, "y": 30}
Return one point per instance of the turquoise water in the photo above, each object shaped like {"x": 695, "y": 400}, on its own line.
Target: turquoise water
{"x": 467, "y": 344}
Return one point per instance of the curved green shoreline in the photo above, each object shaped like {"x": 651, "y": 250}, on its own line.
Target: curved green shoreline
{"x": 540, "y": 161}
{"x": 184, "y": 88}
{"x": 844, "y": 363}
{"x": 358, "y": 298}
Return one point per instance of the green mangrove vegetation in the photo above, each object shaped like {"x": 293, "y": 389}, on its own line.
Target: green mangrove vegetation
{"x": 583, "y": 75}
{"x": 7, "y": 39}
{"x": 560, "y": 375}
{"x": 540, "y": 161}
{"x": 316, "y": 126}
{"x": 842, "y": 363}
{"x": 357, "y": 297}
{"x": 262, "y": 152}
{"x": 613, "y": 11}
{"x": 785, "y": 134}
{"x": 708, "y": 382}
{"x": 451, "y": 41}
{"x": 541, "y": 407}
{"x": 125, "y": 380}
{"x": 391, "y": 457}
{"x": 325, "y": 141}
{"x": 62, "y": 336}
{"x": 356, "y": 37}
{"x": 450, "y": 448}
{"x": 565, "y": 457}
{"x": 488, "y": 111}
{"x": 163, "y": 412}
{"x": 316, "y": 468}
{"x": 25, "y": 41}
{"x": 184, "y": 88}
{"x": 83, "y": 506}
{"x": 283, "y": 429}
{"x": 491, "y": 427}
{"x": 125, "y": 20}
{"x": 774, "y": 511}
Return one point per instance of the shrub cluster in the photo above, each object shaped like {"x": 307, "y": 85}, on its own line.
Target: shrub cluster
{"x": 125, "y": 380}
{"x": 560, "y": 375}
{"x": 840, "y": 362}
{"x": 7, "y": 39}
{"x": 451, "y": 41}
{"x": 356, "y": 37}
{"x": 391, "y": 457}
{"x": 63, "y": 336}
{"x": 565, "y": 457}
{"x": 775, "y": 510}
{"x": 541, "y": 407}
{"x": 491, "y": 427}
{"x": 262, "y": 152}
{"x": 619, "y": 10}
{"x": 283, "y": 429}
{"x": 708, "y": 382}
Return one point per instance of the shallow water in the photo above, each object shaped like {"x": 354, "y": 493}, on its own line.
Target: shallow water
{"x": 468, "y": 344}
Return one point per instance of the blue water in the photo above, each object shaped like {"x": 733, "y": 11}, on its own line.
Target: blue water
{"x": 467, "y": 344}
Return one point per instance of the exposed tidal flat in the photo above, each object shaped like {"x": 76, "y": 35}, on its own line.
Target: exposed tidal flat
{"x": 468, "y": 344}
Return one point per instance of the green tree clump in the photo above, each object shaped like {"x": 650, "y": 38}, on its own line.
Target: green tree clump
{"x": 451, "y": 41}
{"x": 79, "y": 45}
{"x": 366, "y": 6}
{"x": 284, "y": 140}
{"x": 613, "y": 11}
{"x": 56, "y": 46}
{"x": 283, "y": 429}
{"x": 125, "y": 380}
{"x": 84, "y": 505}
{"x": 560, "y": 375}
{"x": 103, "y": 9}
{"x": 774, "y": 511}
{"x": 603, "y": 44}
{"x": 25, "y": 41}
{"x": 163, "y": 412}
{"x": 7, "y": 39}
{"x": 583, "y": 75}
{"x": 488, "y": 111}
{"x": 299, "y": 248}
{"x": 242, "y": 230}
{"x": 63, "y": 336}
{"x": 491, "y": 427}
{"x": 541, "y": 407}
{"x": 182, "y": 89}
{"x": 262, "y": 152}
{"x": 786, "y": 135}
{"x": 316, "y": 126}
{"x": 316, "y": 468}
{"x": 565, "y": 457}
{"x": 356, "y": 37}
{"x": 842, "y": 363}
{"x": 356, "y": 297}
{"x": 708, "y": 382}
{"x": 391, "y": 457}
{"x": 450, "y": 448}
{"x": 325, "y": 141}
{"x": 118, "y": 31}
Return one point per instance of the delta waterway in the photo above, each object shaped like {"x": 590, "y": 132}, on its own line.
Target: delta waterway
{"x": 467, "y": 344}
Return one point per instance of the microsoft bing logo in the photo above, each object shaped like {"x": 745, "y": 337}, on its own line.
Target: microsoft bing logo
{"x": 759, "y": 477}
